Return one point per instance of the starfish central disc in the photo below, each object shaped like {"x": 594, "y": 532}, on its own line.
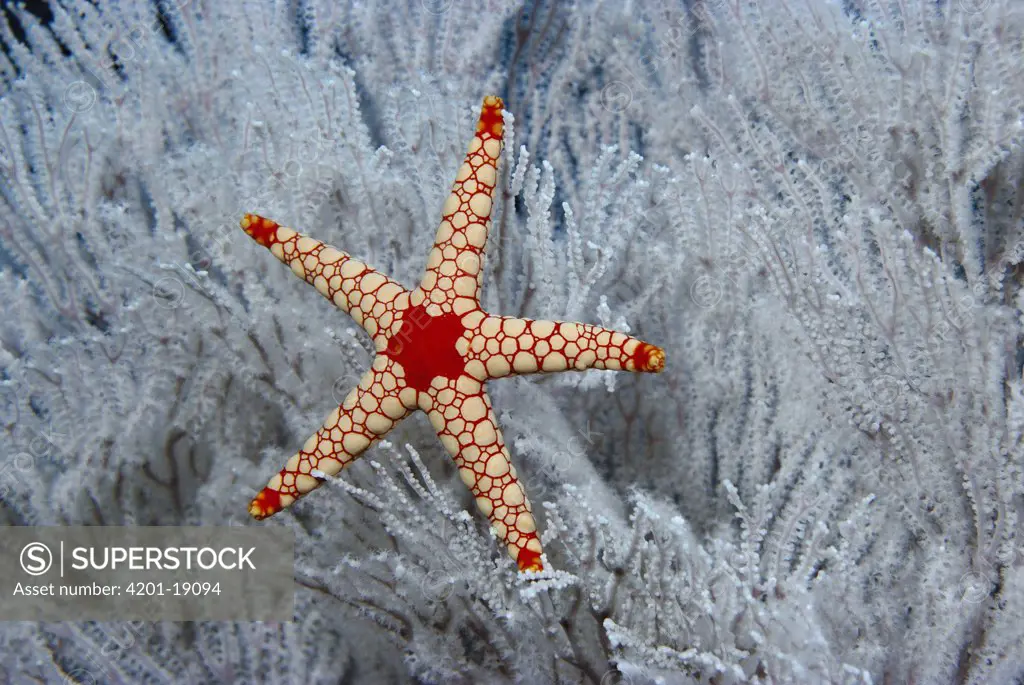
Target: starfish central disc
{"x": 425, "y": 347}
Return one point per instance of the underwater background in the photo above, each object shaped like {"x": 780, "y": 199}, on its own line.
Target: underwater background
{"x": 815, "y": 208}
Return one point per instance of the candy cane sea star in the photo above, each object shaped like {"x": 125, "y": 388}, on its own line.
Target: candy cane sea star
{"x": 435, "y": 349}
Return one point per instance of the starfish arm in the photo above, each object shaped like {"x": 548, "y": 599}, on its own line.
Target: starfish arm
{"x": 357, "y": 289}
{"x": 505, "y": 346}
{"x": 453, "y": 274}
{"x": 367, "y": 414}
{"x": 461, "y": 413}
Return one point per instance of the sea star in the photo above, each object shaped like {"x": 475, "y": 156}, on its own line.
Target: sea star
{"x": 435, "y": 348}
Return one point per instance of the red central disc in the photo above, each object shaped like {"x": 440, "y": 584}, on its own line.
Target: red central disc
{"x": 425, "y": 347}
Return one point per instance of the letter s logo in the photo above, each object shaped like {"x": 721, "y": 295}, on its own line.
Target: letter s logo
{"x": 36, "y": 558}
